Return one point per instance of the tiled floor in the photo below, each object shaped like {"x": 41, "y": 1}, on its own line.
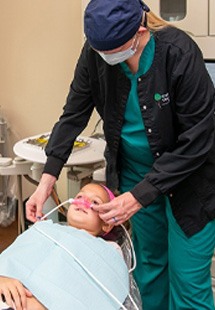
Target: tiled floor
{"x": 7, "y": 235}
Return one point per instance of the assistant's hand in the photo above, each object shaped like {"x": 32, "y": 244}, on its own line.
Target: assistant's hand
{"x": 34, "y": 205}
{"x": 119, "y": 210}
{"x": 14, "y": 292}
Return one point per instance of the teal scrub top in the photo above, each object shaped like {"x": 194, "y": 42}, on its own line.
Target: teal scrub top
{"x": 136, "y": 158}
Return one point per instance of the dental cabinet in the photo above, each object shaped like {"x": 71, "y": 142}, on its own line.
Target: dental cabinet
{"x": 195, "y": 17}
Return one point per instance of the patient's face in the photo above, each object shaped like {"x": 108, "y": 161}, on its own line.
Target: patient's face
{"x": 81, "y": 216}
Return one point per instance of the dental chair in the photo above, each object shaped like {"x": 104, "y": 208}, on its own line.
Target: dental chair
{"x": 120, "y": 235}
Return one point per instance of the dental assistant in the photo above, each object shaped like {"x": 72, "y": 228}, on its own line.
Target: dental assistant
{"x": 149, "y": 84}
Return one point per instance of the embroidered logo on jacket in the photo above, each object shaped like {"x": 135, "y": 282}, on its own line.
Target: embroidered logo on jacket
{"x": 162, "y": 100}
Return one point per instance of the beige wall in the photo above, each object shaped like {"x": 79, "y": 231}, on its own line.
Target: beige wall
{"x": 40, "y": 43}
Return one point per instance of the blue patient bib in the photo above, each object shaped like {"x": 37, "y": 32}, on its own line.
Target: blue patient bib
{"x": 63, "y": 268}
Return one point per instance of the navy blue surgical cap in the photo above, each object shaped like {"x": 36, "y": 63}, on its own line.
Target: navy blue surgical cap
{"x": 109, "y": 24}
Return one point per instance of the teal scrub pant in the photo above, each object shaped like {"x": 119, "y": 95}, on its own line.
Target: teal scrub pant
{"x": 173, "y": 271}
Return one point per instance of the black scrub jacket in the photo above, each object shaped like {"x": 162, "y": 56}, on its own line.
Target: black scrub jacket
{"x": 176, "y": 98}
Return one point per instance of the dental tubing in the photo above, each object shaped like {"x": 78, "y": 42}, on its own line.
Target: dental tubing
{"x": 88, "y": 205}
{"x": 70, "y": 200}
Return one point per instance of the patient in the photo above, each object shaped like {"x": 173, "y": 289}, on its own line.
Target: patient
{"x": 53, "y": 266}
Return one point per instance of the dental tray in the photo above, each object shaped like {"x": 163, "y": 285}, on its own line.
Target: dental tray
{"x": 42, "y": 140}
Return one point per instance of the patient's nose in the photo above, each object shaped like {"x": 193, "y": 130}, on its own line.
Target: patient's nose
{"x": 82, "y": 203}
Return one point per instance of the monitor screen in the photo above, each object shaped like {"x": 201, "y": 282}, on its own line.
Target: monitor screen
{"x": 211, "y": 69}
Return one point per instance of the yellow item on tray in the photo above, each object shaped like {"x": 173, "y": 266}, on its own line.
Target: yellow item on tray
{"x": 42, "y": 141}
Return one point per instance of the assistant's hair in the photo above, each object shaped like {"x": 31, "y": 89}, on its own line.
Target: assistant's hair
{"x": 153, "y": 22}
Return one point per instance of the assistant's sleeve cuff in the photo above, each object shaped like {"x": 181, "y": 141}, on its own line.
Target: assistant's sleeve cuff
{"x": 53, "y": 166}
{"x": 145, "y": 193}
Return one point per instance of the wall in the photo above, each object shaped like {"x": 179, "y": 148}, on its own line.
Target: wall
{"x": 40, "y": 43}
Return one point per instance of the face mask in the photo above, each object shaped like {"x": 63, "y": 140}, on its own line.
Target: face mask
{"x": 115, "y": 58}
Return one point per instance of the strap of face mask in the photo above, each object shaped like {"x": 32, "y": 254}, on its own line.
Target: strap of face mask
{"x": 146, "y": 9}
{"x": 144, "y": 6}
